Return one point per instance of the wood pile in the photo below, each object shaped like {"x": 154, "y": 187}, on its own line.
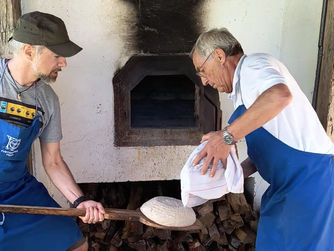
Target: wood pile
{"x": 229, "y": 223}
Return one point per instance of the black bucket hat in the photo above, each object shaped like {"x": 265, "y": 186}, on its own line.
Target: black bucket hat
{"x": 38, "y": 28}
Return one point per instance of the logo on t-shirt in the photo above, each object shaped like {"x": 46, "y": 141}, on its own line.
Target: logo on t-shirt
{"x": 12, "y": 146}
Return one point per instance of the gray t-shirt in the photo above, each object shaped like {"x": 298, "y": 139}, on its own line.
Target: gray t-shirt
{"x": 47, "y": 105}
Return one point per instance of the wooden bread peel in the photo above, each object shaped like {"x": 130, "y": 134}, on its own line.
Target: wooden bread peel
{"x": 110, "y": 214}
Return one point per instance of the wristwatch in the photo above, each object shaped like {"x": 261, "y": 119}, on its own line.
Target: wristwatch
{"x": 228, "y": 137}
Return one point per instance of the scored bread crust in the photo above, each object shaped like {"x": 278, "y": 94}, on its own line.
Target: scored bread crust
{"x": 168, "y": 211}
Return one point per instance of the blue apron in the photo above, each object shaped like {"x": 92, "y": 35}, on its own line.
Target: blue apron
{"x": 23, "y": 232}
{"x": 297, "y": 210}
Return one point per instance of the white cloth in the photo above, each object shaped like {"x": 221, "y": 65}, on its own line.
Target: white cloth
{"x": 297, "y": 125}
{"x": 197, "y": 189}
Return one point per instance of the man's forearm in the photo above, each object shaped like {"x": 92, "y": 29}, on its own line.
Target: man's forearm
{"x": 58, "y": 171}
{"x": 62, "y": 178}
{"x": 266, "y": 107}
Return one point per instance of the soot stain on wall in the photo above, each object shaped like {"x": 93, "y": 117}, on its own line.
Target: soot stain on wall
{"x": 165, "y": 27}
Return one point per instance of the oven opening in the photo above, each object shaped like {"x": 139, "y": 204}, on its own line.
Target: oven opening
{"x": 164, "y": 101}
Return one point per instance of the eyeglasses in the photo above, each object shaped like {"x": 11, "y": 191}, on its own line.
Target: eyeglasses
{"x": 200, "y": 69}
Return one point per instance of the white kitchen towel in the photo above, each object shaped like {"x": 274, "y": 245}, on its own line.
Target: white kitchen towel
{"x": 197, "y": 189}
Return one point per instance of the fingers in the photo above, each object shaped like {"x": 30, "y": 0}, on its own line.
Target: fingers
{"x": 214, "y": 167}
{"x": 88, "y": 217}
{"x": 214, "y": 150}
{"x": 101, "y": 216}
{"x": 93, "y": 214}
{"x": 101, "y": 211}
{"x": 224, "y": 163}
{"x": 204, "y": 152}
{"x": 206, "y": 164}
{"x": 85, "y": 218}
{"x": 96, "y": 215}
{"x": 200, "y": 156}
{"x": 101, "y": 208}
{"x": 206, "y": 136}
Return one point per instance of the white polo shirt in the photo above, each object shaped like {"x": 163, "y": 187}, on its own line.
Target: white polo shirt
{"x": 297, "y": 125}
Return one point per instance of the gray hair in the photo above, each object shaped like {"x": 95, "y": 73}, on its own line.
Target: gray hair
{"x": 16, "y": 46}
{"x": 221, "y": 38}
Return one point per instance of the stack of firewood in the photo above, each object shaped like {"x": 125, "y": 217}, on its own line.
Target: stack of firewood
{"x": 228, "y": 223}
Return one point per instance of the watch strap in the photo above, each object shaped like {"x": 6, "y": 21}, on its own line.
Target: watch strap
{"x": 79, "y": 200}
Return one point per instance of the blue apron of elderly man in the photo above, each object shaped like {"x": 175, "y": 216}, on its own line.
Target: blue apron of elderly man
{"x": 29, "y": 109}
{"x": 286, "y": 143}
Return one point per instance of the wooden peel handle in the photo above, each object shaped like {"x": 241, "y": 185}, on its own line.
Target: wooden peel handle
{"x": 110, "y": 213}
{"x": 42, "y": 210}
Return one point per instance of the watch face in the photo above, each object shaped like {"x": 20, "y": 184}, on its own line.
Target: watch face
{"x": 228, "y": 139}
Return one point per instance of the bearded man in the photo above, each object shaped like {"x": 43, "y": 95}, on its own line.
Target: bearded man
{"x": 30, "y": 109}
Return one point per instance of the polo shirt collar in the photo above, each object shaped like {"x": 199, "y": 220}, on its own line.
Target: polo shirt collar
{"x": 236, "y": 77}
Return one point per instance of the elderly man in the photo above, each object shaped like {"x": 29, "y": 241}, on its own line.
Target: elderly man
{"x": 30, "y": 109}
{"x": 286, "y": 143}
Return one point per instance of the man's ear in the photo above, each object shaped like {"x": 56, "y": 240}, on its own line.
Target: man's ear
{"x": 220, "y": 55}
{"x": 28, "y": 52}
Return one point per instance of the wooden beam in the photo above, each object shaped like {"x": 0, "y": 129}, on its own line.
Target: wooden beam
{"x": 330, "y": 115}
{"x": 325, "y": 87}
{"x": 10, "y": 11}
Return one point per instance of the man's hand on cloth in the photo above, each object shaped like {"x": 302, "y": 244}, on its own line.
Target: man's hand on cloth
{"x": 214, "y": 151}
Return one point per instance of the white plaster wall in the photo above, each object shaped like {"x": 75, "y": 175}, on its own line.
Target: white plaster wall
{"x": 286, "y": 29}
{"x": 299, "y": 44}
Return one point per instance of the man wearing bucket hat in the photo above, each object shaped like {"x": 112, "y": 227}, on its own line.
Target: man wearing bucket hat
{"x": 29, "y": 108}
{"x": 286, "y": 142}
